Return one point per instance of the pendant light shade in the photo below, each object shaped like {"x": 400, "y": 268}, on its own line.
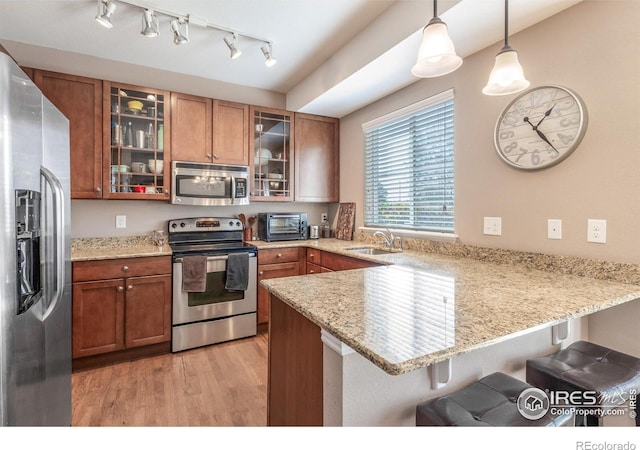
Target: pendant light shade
{"x": 507, "y": 76}
{"x": 437, "y": 54}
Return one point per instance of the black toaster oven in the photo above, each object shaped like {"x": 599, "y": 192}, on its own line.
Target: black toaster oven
{"x": 282, "y": 226}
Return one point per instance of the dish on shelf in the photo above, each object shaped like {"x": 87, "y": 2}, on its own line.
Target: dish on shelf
{"x": 263, "y": 155}
{"x": 274, "y": 176}
{"x": 135, "y": 105}
{"x": 120, "y": 168}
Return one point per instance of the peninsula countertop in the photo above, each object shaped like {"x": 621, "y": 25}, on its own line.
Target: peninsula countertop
{"x": 423, "y": 308}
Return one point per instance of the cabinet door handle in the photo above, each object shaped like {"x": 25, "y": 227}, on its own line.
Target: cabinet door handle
{"x": 120, "y": 289}
{"x": 261, "y": 273}
{"x": 312, "y": 255}
{"x": 312, "y": 271}
{"x": 125, "y": 268}
{"x": 216, "y": 156}
{"x": 98, "y": 190}
{"x": 208, "y": 155}
{"x": 129, "y": 287}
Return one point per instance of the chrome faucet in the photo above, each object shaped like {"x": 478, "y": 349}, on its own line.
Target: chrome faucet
{"x": 389, "y": 238}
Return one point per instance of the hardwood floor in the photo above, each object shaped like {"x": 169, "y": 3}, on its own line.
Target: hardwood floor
{"x": 218, "y": 385}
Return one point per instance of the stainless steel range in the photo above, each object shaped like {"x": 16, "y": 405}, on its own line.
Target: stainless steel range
{"x": 215, "y": 314}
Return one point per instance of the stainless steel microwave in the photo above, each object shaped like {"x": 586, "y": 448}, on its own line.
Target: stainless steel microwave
{"x": 282, "y": 226}
{"x": 204, "y": 184}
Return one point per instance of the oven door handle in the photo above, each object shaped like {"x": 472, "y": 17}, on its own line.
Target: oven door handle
{"x": 215, "y": 258}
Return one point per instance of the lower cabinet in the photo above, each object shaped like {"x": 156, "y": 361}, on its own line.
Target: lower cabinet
{"x": 275, "y": 263}
{"x": 120, "y": 304}
{"x": 320, "y": 261}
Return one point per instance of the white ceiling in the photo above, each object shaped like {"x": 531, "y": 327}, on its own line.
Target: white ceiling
{"x": 334, "y": 56}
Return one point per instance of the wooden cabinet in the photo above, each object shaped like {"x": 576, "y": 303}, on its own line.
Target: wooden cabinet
{"x": 191, "y": 124}
{"x": 271, "y": 154}
{"x": 230, "y": 133}
{"x": 295, "y": 390}
{"x": 209, "y": 131}
{"x": 120, "y": 304}
{"x": 136, "y": 142}
{"x": 80, "y": 100}
{"x": 320, "y": 261}
{"x": 317, "y": 158}
{"x": 275, "y": 263}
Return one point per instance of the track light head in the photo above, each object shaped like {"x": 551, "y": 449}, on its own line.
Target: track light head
{"x": 267, "y": 51}
{"x": 231, "y": 42}
{"x": 179, "y": 38}
{"x": 150, "y": 26}
{"x": 106, "y": 8}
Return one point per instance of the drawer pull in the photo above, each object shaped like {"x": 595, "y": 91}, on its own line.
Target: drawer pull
{"x": 98, "y": 190}
{"x": 261, "y": 273}
{"x": 312, "y": 255}
{"x": 312, "y": 271}
{"x": 125, "y": 268}
{"x": 279, "y": 255}
{"x": 120, "y": 289}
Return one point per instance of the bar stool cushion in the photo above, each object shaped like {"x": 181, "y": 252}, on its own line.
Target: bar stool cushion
{"x": 490, "y": 401}
{"x": 584, "y": 366}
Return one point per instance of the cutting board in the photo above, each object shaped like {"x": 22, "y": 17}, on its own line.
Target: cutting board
{"x": 346, "y": 221}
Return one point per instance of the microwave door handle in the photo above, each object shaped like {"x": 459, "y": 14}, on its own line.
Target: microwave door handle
{"x": 233, "y": 189}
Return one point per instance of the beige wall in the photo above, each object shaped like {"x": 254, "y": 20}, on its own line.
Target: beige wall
{"x": 591, "y": 48}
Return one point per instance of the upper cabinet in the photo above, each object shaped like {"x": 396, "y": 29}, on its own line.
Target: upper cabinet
{"x": 272, "y": 154}
{"x": 80, "y": 100}
{"x": 317, "y": 158}
{"x": 230, "y": 132}
{"x": 136, "y": 140}
{"x": 191, "y": 124}
{"x": 209, "y": 131}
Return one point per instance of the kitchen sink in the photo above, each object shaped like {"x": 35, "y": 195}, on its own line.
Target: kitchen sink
{"x": 369, "y": 251}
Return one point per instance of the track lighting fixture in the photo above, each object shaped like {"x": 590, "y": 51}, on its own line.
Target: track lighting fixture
{"x": 507, "y": 76}
{"x": 267, "y": 51}
{"x": 180, "y": 38}
{"x": 437, "y": 54}
{"x": 150, "y": 26}
{"x": 106, "y": 8}
{"x": 179, "y": 26}
{"x": 232, "y": 41}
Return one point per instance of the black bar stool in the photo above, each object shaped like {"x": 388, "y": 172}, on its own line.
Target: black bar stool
{"x": 490, "y": 401}
{"x": 614, "y": 377}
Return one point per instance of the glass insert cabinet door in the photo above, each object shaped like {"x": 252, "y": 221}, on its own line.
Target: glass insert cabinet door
{"x": 272, "y": 162}
{"x": 138, "y": 133}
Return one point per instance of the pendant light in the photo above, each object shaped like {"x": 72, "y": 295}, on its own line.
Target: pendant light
{"x": 437, "y": 54}
{"x": 507, "y": 76}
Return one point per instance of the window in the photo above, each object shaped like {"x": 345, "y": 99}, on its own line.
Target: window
{"x": 409, "y": 169}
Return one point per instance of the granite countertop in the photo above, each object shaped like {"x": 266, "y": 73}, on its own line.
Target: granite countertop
{"x": 116, "y": 247}
{"x": 423, "y": 308}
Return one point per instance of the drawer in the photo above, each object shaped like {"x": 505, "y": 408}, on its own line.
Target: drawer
{"x": 314, "y": 256}
{"x": 277, "y": 255}
{"x": 313, "y": 268}
{"x": 106, "y": 269}
{"x": 278, "y": 270}
{"x": 339, "y": 262}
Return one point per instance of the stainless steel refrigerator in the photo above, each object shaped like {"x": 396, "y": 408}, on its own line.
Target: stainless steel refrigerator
{"x": 35, "y": 289}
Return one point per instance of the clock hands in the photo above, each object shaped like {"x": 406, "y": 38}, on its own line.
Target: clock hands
{"x": 540, "y": 133}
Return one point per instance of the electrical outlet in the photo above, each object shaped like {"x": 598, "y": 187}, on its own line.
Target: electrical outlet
{"x": 493, "y": 226}
{"x": 597, "y": 231}
{"x": 323, "y": 217}
{"x": 554, "y": 229}
{"x": 121, "y": 221}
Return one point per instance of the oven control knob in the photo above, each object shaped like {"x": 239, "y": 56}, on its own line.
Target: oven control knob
{"x": 174, "y": 225}
{"x": 231, "y": 223}
{"x": 182, "y": 224}
{"x": 237, "y": 224}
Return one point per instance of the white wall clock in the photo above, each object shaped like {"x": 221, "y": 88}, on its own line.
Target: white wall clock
{"x": 540, "y": 127}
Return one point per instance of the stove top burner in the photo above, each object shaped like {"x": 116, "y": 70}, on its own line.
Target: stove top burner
{"x": 207, "y": 236}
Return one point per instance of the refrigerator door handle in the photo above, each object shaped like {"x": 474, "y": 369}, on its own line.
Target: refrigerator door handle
{"x": 57, "y": 194}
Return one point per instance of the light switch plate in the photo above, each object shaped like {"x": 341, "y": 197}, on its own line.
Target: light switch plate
{"x": 493, "y": 226}
{"x": 554, "y": 229}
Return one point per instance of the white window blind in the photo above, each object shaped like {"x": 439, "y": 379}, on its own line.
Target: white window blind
{"x": 409, "y": 167}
